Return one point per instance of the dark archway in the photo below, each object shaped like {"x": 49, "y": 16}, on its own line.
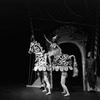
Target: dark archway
{"x": 72, "y": 83}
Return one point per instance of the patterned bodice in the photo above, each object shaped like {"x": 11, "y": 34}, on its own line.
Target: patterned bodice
{"x": 41, "y": 62}
{"x": 62, "y": 60}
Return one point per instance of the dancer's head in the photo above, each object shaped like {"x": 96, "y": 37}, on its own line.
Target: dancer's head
{"x": 36, "y": 47}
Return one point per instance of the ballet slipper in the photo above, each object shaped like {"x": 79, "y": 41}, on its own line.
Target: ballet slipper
{"x": 63, "y": 92}
{"x": 44, "y": 90}
{"x": 48, "y": 93}
{"x": 67, "y": 94}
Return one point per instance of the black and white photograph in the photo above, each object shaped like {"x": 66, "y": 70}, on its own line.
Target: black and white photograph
{"x": 50, "y": 50}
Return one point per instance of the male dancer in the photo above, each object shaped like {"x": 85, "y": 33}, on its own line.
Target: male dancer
{"x": 64, "y": 75}
{"x": 91, "y": 69}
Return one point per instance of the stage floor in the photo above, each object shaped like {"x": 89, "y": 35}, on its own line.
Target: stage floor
{"x": 20, "y": 92}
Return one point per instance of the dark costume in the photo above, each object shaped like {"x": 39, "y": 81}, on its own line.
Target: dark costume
{"x": 90, "y": 69}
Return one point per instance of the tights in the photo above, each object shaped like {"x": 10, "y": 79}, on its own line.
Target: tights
{"x": 63, "y": 81}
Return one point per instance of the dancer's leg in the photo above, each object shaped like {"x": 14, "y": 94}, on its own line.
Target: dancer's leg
{"x": 41, "y": 78}
{"x": 48, "y": 87}
{"x": 45, "y": 90}
{"x": 47, "y": 84}
{"x": 63, "y": 81}
{"x": 44, "y": 83}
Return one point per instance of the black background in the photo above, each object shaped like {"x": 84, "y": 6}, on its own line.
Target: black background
{"x": 15, "y": 29}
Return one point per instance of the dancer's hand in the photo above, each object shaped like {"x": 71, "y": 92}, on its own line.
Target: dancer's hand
{"x": 74, "y": 75}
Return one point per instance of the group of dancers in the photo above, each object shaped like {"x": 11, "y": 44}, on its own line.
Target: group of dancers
{"x": 41, "y": 62}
